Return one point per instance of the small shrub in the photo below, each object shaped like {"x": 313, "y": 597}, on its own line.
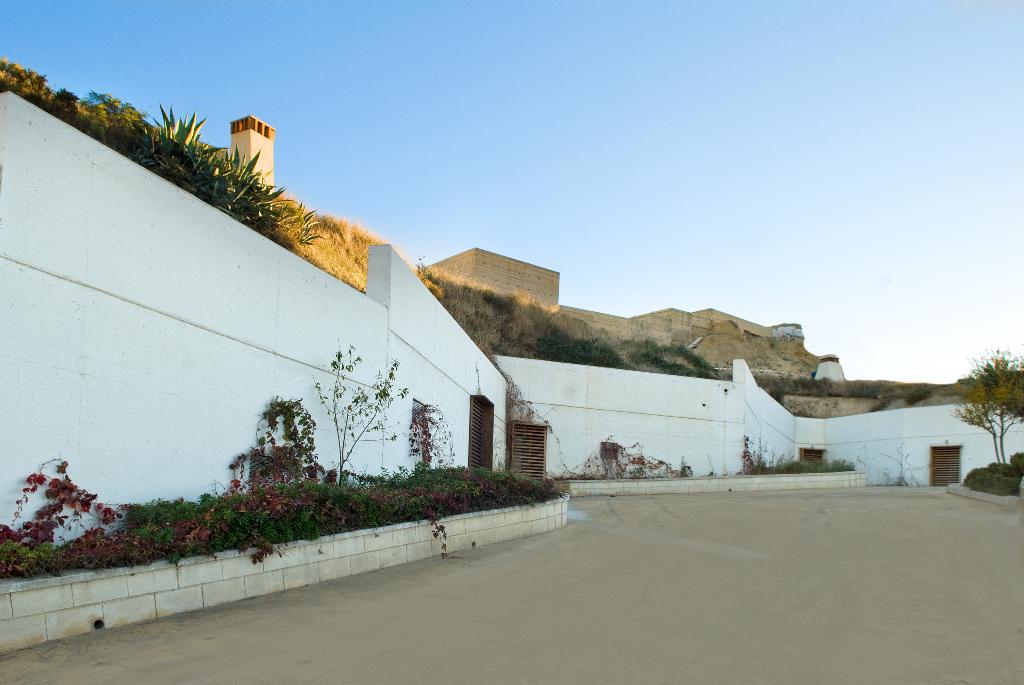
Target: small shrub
{"x": 291, "y": 458}
{"x": 558, "y": 346}
{"x": 701, "y": 366}
{"x": 17, "y": 559}
{"x": 67, "y": 504}
{"x": 756, "y": 464}
{"x": 995, "y": 479}
{"x": 1017, "y": 460}
{"x": 649, "y": 353}
{"x": 918, "y": 393}
{"x": 830, "y": 466}
{"x": 1005, "y": 470}
{"x": 98, "y": 548}
{"x": 679, "y": 360}
{"x": 101, "y": 116}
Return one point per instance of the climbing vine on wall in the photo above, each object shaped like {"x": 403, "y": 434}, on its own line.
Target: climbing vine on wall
{"x": 66, "y": 503}
{"x": 285, "y": 450}
{"x": 430, "y": 437}
{"x": 614, "y": 461}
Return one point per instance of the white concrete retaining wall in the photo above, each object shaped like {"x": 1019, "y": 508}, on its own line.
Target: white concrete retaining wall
{"x": 674, "y": 486}
{"x": 142, "y": 332}
{"x": 888, "y": 443}
{"x": 703, "y": 422}
{"x": 769, "y": 426}
{"x": 40, "y": 609}
{"x": 671, "y": 418}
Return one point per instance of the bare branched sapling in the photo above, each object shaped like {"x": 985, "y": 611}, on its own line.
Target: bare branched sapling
{"x": 357, "y": 409}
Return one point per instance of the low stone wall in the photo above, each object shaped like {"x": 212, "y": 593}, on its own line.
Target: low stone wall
{"x": 1004, "y": 500}
{"x": 674, "y": 486}
{"x": 50, "y": 608}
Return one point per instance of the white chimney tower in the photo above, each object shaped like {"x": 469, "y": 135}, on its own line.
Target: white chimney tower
{"x": 829, "y": 369}
{"x": 250, "y": 136}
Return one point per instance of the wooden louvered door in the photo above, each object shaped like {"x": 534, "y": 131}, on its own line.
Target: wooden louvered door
{"x": 481, "y": 432}
{"x": 529, "y": 449}
{"x": 945, "y": 466}
{"x": 812, "y": 455}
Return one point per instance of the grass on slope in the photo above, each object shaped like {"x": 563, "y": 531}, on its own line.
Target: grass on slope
{"x": 341, "y": 250}
{"x": 886, "y": 392}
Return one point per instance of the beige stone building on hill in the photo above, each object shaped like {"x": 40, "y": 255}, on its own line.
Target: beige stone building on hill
{"x": 665, "y": 326}
{"x": 504, "y": 274}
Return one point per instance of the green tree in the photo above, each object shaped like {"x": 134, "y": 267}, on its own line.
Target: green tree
{"x": 992, "y": 397}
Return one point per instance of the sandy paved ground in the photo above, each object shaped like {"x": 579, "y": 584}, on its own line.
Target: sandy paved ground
{"x": 849, "y": 586}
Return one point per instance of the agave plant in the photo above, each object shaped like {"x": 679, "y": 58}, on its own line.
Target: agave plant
{"x": 175, "y": 150}
{"x": 180, "y": 131}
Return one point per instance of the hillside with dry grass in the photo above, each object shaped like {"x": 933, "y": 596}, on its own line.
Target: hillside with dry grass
{"x": 341, "y": 249}
{"x": 727, "y": 342}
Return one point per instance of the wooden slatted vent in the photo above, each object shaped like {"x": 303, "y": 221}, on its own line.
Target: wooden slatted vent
{"x": 481, "y": 432}
{"x": 812, "y": 455}
{"x": 945, "y": 467}
{"x": 529, "y": 449}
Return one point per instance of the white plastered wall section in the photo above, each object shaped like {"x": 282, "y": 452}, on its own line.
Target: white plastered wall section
{"x": 887, "y": 444}
{"x": 142, "y": 331}
{"x": 703, "y": 422}
{"x": 769, "y": 426}
{"x": 434, "y": 351}
{"x": 671, "y": 418}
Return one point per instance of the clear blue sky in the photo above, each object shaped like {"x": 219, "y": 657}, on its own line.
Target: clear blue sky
{"x": 857, "y": 167}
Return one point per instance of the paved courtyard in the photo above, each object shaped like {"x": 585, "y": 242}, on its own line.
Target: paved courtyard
{"x": 833, "y": 587}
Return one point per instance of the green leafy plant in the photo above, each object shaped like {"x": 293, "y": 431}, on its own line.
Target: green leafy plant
{"x": 264, "y": 514}
{"x": 679, "y": 360}
{"x": 793, "y": 466}
{"x": 357, "y": 409}
{"x": 174, "y": 149}
{"x": 997, "y": 478}
{"x": 113, "y": 122}
{"x": 1017, "y": 461}
{"x": 290, "y": 457}
{"x": 18, "y": 559}
{"x": 919, "y": 394}
{"x": 558, "y": 346}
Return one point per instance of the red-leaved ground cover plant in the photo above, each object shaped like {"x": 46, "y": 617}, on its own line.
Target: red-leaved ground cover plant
{"x": 252, "y": 515}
